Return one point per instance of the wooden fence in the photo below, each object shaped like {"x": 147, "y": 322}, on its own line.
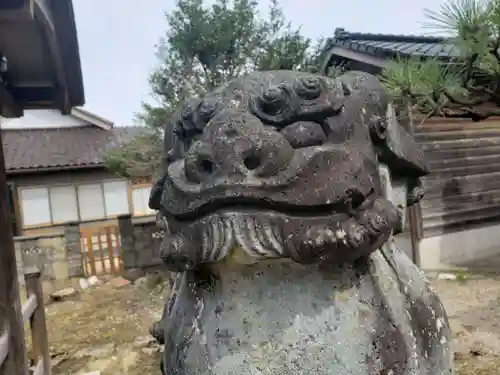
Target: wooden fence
{"x": 14, "y": 362}
{"x": 463, "y": 189}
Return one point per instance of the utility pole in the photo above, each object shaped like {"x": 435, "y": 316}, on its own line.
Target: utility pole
{"x": 10, "y": 304}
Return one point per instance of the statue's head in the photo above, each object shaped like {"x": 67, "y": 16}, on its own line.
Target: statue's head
{"x": 285, "y": 164}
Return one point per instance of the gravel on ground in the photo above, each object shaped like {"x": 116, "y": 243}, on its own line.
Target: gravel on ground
{"x": 105, "y": 328}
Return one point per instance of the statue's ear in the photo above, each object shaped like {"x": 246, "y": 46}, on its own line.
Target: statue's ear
{"x": 395, "y": 191}
{"x": 156, "y": 193}
{"x": 173, "y": 150}
{"x": 396, "y": 147}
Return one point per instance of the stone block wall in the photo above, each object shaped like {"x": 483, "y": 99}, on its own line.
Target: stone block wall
{"x": 140, "y": 240}
{"x": 74, "y": 256}
{"x": 60, "y": 254}
{"x": 47, "y": 252}
{"x": 19, "y": 264}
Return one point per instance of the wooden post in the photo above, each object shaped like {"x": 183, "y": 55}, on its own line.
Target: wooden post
{"x": 16, "y": 362}
{"x": 38, "y": 323}
{"x": 414, "y": 212}
{"x": 416, "y": 229}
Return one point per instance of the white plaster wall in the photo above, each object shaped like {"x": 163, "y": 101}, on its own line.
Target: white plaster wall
{"x": 476, "y": 248}
{"x": 42, "y": 118}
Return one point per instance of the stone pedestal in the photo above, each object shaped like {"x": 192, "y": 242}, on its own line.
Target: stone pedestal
{"x": 281, "y": 318}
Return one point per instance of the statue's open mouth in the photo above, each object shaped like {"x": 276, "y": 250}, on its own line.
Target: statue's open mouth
{"x": 266, "y": 229}
{"x": 249, "y": 204}
{"x": 353, "y": 203}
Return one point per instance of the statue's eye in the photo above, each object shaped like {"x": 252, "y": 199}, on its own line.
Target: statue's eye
{"x": 273, "y": 101}
{"x": 188, "y": 108}
{"x": 308, "y": 88}
{"x": 187, "y": 132}
{"x": 274, "y": 106}
{"x": 206, "y": 110}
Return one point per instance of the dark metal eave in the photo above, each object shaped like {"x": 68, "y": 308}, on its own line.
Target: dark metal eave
{"x": 62, "y": 168}
{"x": 69, "y": 53}
{"x": 376, "y": 49}
{"x": 63, "y": 87}
{"x": 339, "y": 54}
{"x": 335, "y": 54}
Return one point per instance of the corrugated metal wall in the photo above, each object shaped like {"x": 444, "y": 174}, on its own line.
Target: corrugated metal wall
{"x": 463, "y": 189}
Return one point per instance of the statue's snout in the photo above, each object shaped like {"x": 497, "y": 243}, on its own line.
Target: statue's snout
{"x": 237, "y": 145}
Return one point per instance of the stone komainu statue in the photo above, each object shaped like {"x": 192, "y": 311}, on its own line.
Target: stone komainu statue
{"x": 281, "y": 191}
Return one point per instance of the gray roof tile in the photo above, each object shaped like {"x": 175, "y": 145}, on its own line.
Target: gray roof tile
{"x": 61, "y": 147}
{"x": 388, "y": 45}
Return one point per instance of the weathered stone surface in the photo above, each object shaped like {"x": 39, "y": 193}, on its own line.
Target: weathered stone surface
{"x": 119, "y": 282}
{"x": 133, "y": 274}
{"x": 149, "y": 282}
{"x": 127, "y": 239}
{"x": 74, "y": 255}
{"x": 47, "y": 252}
{"x": 281, "y": 191}
{"x": 101, "y": 351}
{"x": 94, "y": 280}
{"x": 139, "y": 244}
{"x": 84, "y": 284}
{"x": 143, "y": 341}
{"x": 63, "y": 294}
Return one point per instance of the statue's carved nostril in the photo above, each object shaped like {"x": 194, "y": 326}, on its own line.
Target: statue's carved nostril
{"x": 231, "y": 132}
{"x": 198, "y": 168}
{"x": 252, "y": 161}
{"x": 206, "y": 166}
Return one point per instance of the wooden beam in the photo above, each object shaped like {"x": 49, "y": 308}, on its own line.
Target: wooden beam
{"x": 16, "y": 362}
{"x": 16, "y": 10}
{"x": 28, "y": 308}
{"x": 39, "y": 334}
{"x": 9, "y": 106}
{"x": 4, "y": 344}
{"x": 40, "y": 368}
{"x": 64, "y": 22}
{"x": 92, "y": 118}
{"x": 43, "y": 16}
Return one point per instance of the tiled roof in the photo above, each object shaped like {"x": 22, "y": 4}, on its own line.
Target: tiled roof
{"x": 387, "y": 45}
{"x": 61, "y": 147}
{"x": 125, "y": 134}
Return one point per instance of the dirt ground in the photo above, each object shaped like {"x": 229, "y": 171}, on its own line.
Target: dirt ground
{"x": 105, "y": 328}
{"x": 473, "y": 308}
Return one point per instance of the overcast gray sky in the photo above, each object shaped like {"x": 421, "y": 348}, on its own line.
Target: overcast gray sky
{"x": 117, "y": 39}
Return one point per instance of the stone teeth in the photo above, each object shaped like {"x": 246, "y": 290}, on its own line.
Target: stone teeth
{"x": 330, "y": 236}
{"x": 340, "y": 234}
{"x": 320, "y": 240}
{"x": 321, "y": 236}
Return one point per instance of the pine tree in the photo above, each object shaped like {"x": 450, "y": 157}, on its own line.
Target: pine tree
{"x": 467, "y": 86}
{"x": 203, "y": 47}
